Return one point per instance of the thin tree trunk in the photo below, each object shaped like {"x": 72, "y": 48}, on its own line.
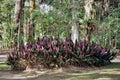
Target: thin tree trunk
{"x": 17, "y": 18}
{"x": 18, "y": 43}
{"x": 25, "y": 30}
{"x": 31, "y": 20}
{"x": 89, "y": 15}
{"x": 75, "y": 33}
{"x": 88, "y": 9}
{"x": 4, "y": 35}
{"x": 18, "y": 10}
{"x": 115, "y": 41}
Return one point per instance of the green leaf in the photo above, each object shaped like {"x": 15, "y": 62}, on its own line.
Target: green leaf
{"x": 31, "y": 39}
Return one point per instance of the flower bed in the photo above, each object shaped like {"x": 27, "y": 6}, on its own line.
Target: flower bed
{"x": 54, "y": 52}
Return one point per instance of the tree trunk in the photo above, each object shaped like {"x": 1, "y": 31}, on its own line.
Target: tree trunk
{"x": 89, "y": 15}
{"x": 75, "y": 33}
{"x": 25, "y": 30}
{"x": 25, "y": 25}
{"x": 31, "y": 20}
{"x": 115, "y": 41}
{"x": 88, "y": 9}
{"x": 17, "y": 18}
{"x": 18, "y": 10}
{"x": 102, "y": 8}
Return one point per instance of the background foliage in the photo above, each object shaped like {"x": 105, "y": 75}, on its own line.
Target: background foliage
{"x": 58, "y": 21}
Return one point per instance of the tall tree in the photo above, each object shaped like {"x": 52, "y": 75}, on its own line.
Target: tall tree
{"x": 28, "y": 28}
{"x": 17, "y": 17}
{"x": 89, "y": 15}
{"x": 31, "y": 20}
{"x": 75, "y": 33}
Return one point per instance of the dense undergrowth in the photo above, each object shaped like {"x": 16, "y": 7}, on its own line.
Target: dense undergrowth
{"x": 54, "y": 52}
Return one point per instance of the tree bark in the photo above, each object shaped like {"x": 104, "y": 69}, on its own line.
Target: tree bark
{"x": 31, "y": 20}
{"x": 18, "y": 10}
{"x": 17, "y": 18}
{"x": 89, "y": 13}
{"x": 75, "y": 33}
{"x": 88, "y": 9}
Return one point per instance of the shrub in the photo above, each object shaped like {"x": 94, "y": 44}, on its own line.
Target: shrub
{"x": 54, "y": 52}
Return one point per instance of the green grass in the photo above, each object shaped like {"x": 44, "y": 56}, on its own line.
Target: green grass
{"x": 4, "y": 67}
{"x": 109, "y": 72}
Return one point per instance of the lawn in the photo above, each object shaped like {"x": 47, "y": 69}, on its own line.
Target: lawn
{"x": 109, "y": 72}
{"x": 4, "y": 67}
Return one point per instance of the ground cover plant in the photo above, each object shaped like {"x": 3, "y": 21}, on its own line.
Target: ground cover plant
{"x": 54, "y": 52}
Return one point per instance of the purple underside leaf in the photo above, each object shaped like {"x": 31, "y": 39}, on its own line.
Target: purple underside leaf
{"x": 67, "y": 49}
{"x": 50, "y": 50}
{"x": 83, "y": 47}
{"x": 49, "y": 44}
{"x": 45, "y": 55}
{"x": 58, "y": 48}
{"x": 98, "y": 49}
{"x": 103, "y": 51}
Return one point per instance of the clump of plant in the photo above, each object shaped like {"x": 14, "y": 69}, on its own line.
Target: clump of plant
{"x": 16, "y": 61}
{"x": 54, "y": 52}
